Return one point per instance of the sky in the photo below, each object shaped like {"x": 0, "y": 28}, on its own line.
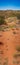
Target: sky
{"x": 9, "y": 4}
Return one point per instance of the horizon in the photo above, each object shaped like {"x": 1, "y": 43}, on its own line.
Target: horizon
{"x": 10, "y": 9}
{"x": 9, "y": 4}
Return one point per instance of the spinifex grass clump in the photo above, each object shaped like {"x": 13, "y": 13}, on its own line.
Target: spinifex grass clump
{"x": 18, "y": 48}
{"x": 16, "y": 58}
{"x": 16, "y": 62}
{"x": 16, "y": 55}
{"x": 6, "y": 61}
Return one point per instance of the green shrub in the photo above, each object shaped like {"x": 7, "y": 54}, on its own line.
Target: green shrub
{"x": 2, "y": 21}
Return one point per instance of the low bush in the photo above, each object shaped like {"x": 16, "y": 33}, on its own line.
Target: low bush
{"x": 2, "y": 20}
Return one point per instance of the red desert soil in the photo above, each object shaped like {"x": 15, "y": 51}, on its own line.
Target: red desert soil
{"x": 10, "y": 41}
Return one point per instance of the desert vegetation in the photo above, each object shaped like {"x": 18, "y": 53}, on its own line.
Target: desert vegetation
{"x": 2, "y": 21}
{"x": 18, "y": 48}
{"x": 5, "y": 15}
{"x": 17, "y": 56}
{"x": 10, "y": 13}
{"x": 6, "y": 61}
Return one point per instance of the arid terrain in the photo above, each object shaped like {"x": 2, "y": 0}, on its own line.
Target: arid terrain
{"x": 10, "y": 41}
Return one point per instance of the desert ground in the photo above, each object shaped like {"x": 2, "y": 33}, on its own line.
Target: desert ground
{"x": 10, "y": 42}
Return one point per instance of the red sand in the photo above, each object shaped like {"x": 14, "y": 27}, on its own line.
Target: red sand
{"x": 10, "y": 42}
